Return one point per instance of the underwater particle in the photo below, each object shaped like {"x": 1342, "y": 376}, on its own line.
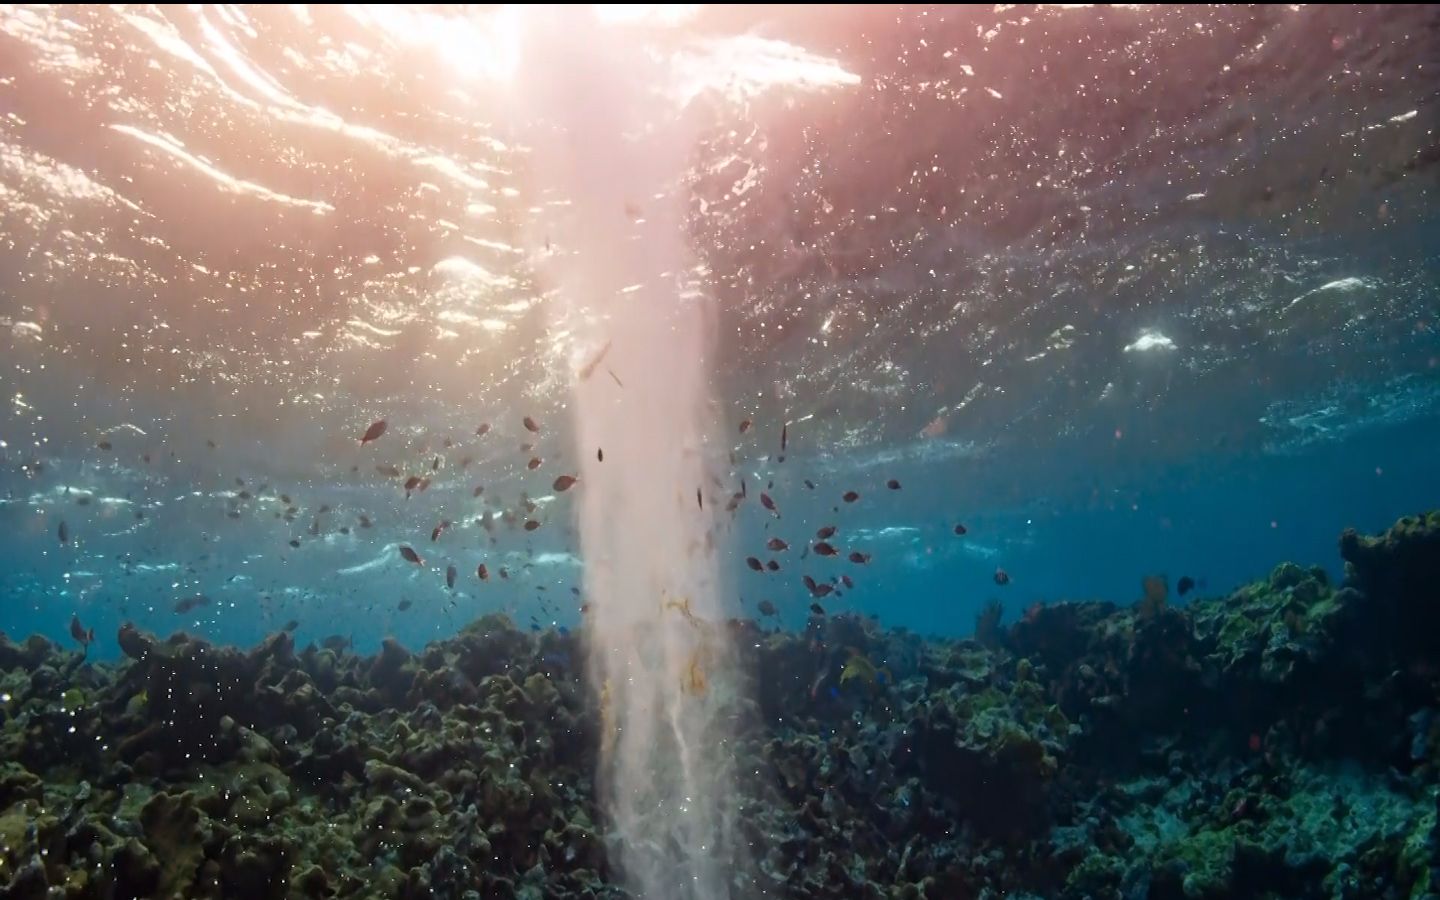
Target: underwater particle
{"x": 777, "y": 545}
{"x": 77, "y": 631}
{"x": 531, "y": 524}
{"x": 960, "y": 530}
{"x": 531, "y": 426}
{"x": 599, "y": 454}
{"x": 412, "y": 483}
{"x": 483, "y": 429}
{"x": 1002, "y": 577}
{"x": 850, "y": 497}
{"x": 194, "y": 601}
{"x": 893, "y": 485}
{"x": 483, "y": 572}
{"x": 773, "y": 566}
{"x": 533, "y": 464}
{"x": 824, "y": 549}
{"x": 849, "y": 584}
{"x": 817, "y": 609}
{"x": 769, "y": 504}
{"x": 754, "y": 563}
{"x": 744, "y": 426}
{"x": 825, "y": 533}
{"x": 404, "y": 605}
{"x": 859, "y": 558}
{"x": 410, "y": 556}
{"x": 810, "y": 484}
{"x": 63, "y": 533}
{"x": 373, "y": 433}
{"x": 767, "y": 608}
{"x": 564, "y": 482}
{"x": 103, "y": 445}
{"x": 450, "y": 577}
{"x": 1184, "y": 585}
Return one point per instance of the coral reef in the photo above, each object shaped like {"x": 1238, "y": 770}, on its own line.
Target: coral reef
{"x": 1281, "y": 740}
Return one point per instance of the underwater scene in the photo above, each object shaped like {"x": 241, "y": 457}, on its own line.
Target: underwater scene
{"x": 719, "y": 453}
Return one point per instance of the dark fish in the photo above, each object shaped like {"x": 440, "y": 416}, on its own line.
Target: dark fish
{"x": 479, "y": 489}
{"x": 893, "y": 485}
{"x": 769, "y": 504}
{"x": 859, "y": 558}
{"x": 295, "y": 542}
{"x": 754, "y": 563}
{"x": 825, "y": 533}
{"x": 531, "y": 426}
{"x": 78, "y": 632}
{"x": 767, "y": 608}
{"x": 823, "y": 590}
{"x": 772, "y": 565}
{"x": 848, "y": 583}
{"x": 960, "y": 529}
{"x": 699, "y": 500}
{"x": 850, "y": 497}
{"x": 533, "y": 464}
{"x": 776, "y": 545}
{"x": 483, "y": 572}
{"x": 372, "y": 433}
{"x": 809, "y": 583}
{"x": 465, "y": 462}
{"x": 285, "y": 498}
{"x": 63, "y": 533}
{"x": 599, "y": 454}
{"x": 744, "y": 426}
{"x": 1002, "y": 577}
{"x": 1184, "y": 585}
{"x": 435, "y": 466}
{"x": 412, "y": 483}
{"x": 483, "y": 429}
{"x": 612, "y": 374}
{"x": 404, "y": 605}
{"x": 504, "y": 573}
{"x": 564, "y": 482}
{"x": 824, "y": 549}
{"x": 291, "y": 625}
{"x": 239, "y": 482}
{"x": 244, "y": 495}
{"x": 411, "y": 556}
{"x": 450, "y": 576}
{"x": 103, "y": 445}
{"x": 780, "y": 458}
{"x": 189, "y": 603}
{"x": 743, "y": 491}
{"x": 770, "y": 486}
{"x": 531, "y": 525}
{"x": 439, "y": 529}
{"x": 784, "y": 436}
{"x": 365, "y": 521}
{"x": 810, "y": 484}
{"x": 817, "y": 609}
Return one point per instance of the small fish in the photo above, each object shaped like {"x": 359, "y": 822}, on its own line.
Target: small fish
{"x": 809, "y": 583}
{"x": 291, "y": 625}
{"x": 612, "y": 374}
{"x": 189, "y": 603}
{"x": 533, "y": 464}
{"x": 483, "y": 572}
{"x": 504, "y": 573}
{"x": 594, "y": 363}
{"x": 531, "y": 525}
{"x": 1184, "y": 585}
{"x": 960, "y": 530}
{"x": 769, "y": 504}
{"x": 824, "y": 549}
{"x": 743, "y": 490}
{"x": 773, "y": 566}
{"x": 483, "y": 429}
{"x": 754, "y": 563}
{"x": 449, "y": 443}
{"x": 243, "y": 495}
{"x": 564, "y": 482}
{"x": 295, "y": 542}
{"x": 78, "y": 632}
{"x": 850, "y": 497}
{"x": 744, "y": 426}
{"x": 531, "y": 426}
{"x": 848, "y": 582}
{"x": 767, "y": 608}
{"x": 479, "y": 489}
{"x": 599, "y": 454}
{"x": 699, "y": 500}
{"x": 822, "y": 590}
{"x": 372, "y": 433}
{"x": 817, "y": 609}
{"x": 824, "y": 534}
{"x": 810, "y": 484}
{"x": 450, "y": 577}
{"x": 893, "y": 485}
{"x": 404, "y": 605}
{"x": 859, "y": 558}
{"x": 63, "y": 533}
{"x": 410, "y": 555}
{"x": 777, "y": 545}
{"x": 365, "y": 521}
{"x": 784, "y": 436}
{"x": 103, "y": 445}
{"x": 1002, "y": 577}
{"x": 412, "y": 483}
{"x": 439, "y": 529}
{"x": 285, "y": 498}
{"x": 435, "y": 466}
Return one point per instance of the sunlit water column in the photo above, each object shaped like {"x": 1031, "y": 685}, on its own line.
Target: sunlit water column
{"x": 608, "y": 154}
